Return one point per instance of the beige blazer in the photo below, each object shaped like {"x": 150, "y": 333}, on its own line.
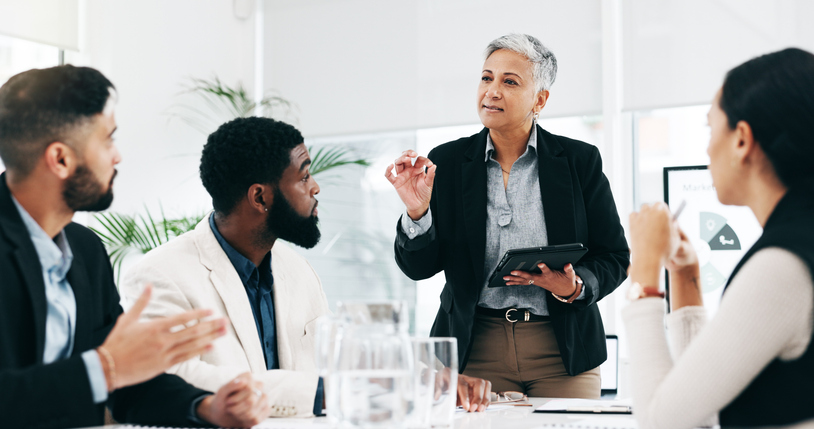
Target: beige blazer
{"x": 192, "y": 272}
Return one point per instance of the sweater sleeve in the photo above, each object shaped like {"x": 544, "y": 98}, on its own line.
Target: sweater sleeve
{"x": 682, "y": 326}
{"x": 755, "y": 324}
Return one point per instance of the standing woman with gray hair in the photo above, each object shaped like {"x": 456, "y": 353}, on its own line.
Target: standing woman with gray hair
{"x": 514, "y": 185}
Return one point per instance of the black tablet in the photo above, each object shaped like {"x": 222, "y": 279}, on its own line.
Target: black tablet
{"x": 555, "y": 257}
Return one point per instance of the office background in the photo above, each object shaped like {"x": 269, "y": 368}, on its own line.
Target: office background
{"x": 381, "y": 76}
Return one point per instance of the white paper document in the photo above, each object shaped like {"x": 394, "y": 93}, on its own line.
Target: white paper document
{"x": 585, "y": 406}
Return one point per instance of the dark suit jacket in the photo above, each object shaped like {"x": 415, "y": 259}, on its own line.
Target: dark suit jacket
{"x": 58, "y": 395}
{"x": 578, "y": 207}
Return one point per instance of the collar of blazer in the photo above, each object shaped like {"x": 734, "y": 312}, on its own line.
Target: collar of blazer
{"x": 547, "y": 144}
{"x": 227, "y": 283}
{"x": 556, "y": 189}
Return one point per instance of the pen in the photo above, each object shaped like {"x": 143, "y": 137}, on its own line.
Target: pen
{"x": 679, "y": 209}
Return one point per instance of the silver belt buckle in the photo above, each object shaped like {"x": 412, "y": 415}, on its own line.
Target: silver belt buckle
{"x": 507, "y": 315}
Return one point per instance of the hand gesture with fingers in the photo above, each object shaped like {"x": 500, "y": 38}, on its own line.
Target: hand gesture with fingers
{"x": 653, "y": 234}
{"x": 140, "y": 350}
{"x": 654, "y": 239}
{"x": 412, "y": 183}
{"x": 239, "y": 403}
{"x": 562, "y": 283}
{"x": 684, "y": 256}
{"x": 473, "y": 393}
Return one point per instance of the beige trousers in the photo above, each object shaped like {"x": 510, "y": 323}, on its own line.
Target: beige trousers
{"x": 524, "y": 357}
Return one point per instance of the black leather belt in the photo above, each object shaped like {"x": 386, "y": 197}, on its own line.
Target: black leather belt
{"x": 511, "y": 314}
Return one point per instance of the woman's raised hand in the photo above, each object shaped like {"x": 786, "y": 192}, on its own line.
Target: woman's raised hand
{"x": 685, "y": 256}
{"x": 654, "y": 240}
{"x": 685, "y": 275}
{"x": 412, "y": 183}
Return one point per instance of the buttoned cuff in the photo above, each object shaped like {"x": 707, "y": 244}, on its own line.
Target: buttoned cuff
{"x": 96, "y": 376}
{"x": 412, "y": 228}
{"x": 318, "y": 400}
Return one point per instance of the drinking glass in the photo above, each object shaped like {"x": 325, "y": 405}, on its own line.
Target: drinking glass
{"x": 364, "y": 313}
{"x": 446, "y": 381}
{"x": 373, "y": 377}
{"x": 420, "y": 410}
{"x": 328, "y": 330}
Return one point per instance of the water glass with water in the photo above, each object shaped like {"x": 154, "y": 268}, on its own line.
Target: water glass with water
{"x": 446, "y": 381}
{"x": 420, "y": 410}
{"x": 373, "y": 376}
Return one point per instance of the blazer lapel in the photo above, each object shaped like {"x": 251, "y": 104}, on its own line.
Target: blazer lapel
{"x": 282, "y": 304}
{"x": 78, "y": 279}
{"x": 227, "y": 283}
{"x": 27, "y": 260}
{"x": 556, "y": 189}
{"x": 473, "y": 184}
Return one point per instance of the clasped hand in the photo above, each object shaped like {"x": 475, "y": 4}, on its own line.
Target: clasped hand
{"x": 656, "y": 241}
{"x": 562, "y": 283}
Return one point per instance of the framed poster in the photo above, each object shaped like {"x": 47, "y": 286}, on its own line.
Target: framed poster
{"x": 720, "y": 234}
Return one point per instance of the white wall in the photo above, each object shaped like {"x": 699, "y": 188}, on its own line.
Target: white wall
{"x": 676, "y": 53}
{"x": 147, "y": 48}
{"x": 53, "y": 22}
{"x": 360, "y": 66}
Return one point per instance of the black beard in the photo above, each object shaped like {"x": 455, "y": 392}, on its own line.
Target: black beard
{"x": 286, "y": 224}
{"x": 84, "y": 193}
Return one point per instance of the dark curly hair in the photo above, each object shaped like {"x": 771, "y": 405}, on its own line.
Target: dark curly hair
{"x": 243, "y": 152}
{"x": 41, "y": 106}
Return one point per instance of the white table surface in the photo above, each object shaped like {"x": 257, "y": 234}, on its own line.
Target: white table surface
{"x": 497, "y": 418}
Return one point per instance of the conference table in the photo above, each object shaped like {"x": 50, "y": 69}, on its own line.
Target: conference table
{"x": 498, "y": 416}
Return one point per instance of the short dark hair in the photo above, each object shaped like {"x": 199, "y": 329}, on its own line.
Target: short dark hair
{"x": 774, "y": 94}
{"x": 41, "y": 106}
{"x": 243, "y": 152}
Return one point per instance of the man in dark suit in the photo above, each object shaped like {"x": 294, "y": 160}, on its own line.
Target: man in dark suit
{"x": 514, "y": 185}
{"x": 66, "y": 347}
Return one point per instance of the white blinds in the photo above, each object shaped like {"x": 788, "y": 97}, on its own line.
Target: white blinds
{"x": 53, "y": 22}
{"x": 358, "y": 66}
{"x": 676, "y": 53}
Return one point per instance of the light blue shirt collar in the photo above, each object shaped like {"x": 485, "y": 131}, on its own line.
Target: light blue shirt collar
{"x": 55, "y": 254}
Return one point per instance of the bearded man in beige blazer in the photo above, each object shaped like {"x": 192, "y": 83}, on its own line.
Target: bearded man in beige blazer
{"x": 257, "y": 172}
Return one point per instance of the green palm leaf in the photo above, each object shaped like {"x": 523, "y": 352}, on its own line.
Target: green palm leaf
{"x": 218, "y": 103}
{"x": 328, "y": 157}
{"x": 123, "y": 234}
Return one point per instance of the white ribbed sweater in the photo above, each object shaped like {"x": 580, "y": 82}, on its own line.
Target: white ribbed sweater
{"x": 766, "y": 313}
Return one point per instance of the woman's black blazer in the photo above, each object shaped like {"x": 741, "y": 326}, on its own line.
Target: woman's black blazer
{"x": 578, "y": 207}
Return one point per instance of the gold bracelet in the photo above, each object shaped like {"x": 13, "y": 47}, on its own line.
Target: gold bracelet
{"x": 573, "y": 296}
{"x": 111, "y": 367}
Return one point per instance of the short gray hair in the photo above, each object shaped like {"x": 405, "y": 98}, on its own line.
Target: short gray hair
{"x": 543, "y": 61}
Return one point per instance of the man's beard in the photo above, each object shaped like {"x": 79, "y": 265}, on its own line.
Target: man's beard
{"x": 84, "y": 193}
{"x": 286, "y": 224}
